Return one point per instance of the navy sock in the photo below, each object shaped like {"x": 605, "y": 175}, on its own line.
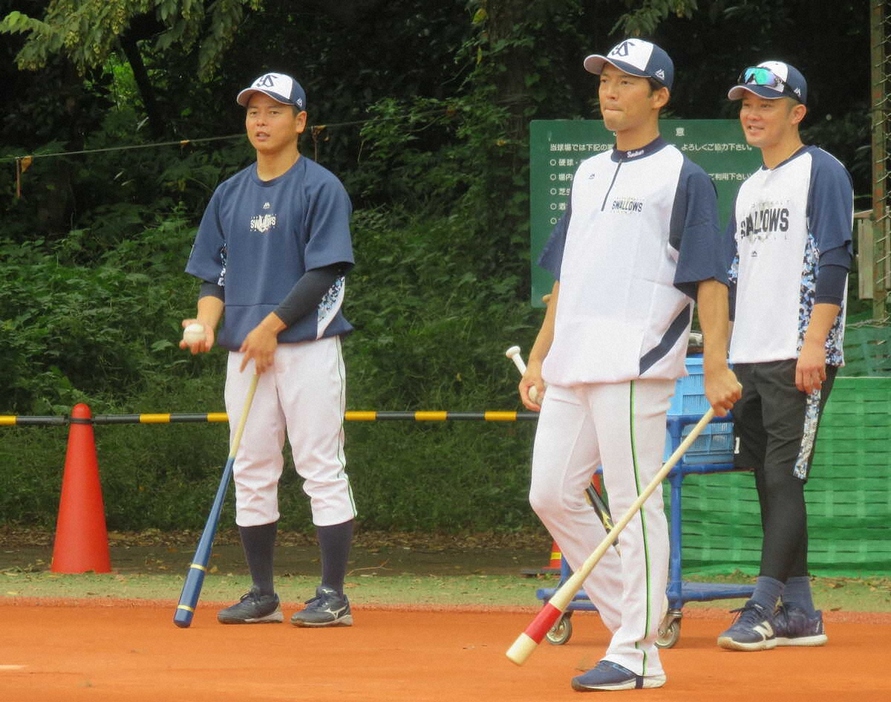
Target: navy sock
{"x": 798, "y": 594}
{"x": 258, "y": 543}
{"x": 334, "y": 544}
{"x": 767, "y": 592}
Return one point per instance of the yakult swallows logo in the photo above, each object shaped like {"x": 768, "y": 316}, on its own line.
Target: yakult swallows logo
{"x": 263, "y": 222}
{"x": 280, "y": 87}
{"x": 632, "y": 52}
{"x": 270, "y": 80}
{"x": 621, "y": 50}
{"x": 764, "y": 221}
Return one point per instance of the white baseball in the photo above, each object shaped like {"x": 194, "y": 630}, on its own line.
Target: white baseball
{"x": 194, "y": 334}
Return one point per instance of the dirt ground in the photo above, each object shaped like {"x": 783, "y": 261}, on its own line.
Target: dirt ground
{"x": 121, "y": 652}
{"x": 89, "y": 650}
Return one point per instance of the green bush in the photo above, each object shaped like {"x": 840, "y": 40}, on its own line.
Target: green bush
{"x": 430, "y": 334}
{"x": 452, "y": 476}
{"x": 31, "y": 465}
{"x": 72, "y": 333}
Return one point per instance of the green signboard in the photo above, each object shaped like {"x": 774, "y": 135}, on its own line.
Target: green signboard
{"x": 556, "y": 147}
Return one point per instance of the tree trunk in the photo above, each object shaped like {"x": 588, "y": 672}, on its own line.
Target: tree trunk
{"x": 146, "y": 91}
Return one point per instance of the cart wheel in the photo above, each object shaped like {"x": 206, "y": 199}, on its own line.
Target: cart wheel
{"x": 561, "y": 632}
{"x": 669, "y": 631}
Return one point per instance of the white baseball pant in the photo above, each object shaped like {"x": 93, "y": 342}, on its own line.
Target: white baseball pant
{"x": 621, "y": 426}
{"x": 301, "y": 396}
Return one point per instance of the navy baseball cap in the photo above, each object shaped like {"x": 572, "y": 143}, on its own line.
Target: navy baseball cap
{"x": 637, "y": 58}
{"x": 280, "y": 87}
{"x": 771, "y": 80}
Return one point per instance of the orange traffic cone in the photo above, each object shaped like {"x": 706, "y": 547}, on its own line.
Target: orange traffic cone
{"x": 554, "y": 565}
{"x": 81, "y": 542}
{"x": 556, "y": 558}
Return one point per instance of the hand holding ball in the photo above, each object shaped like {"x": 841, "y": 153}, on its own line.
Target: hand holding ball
{"x": 194, "y": 334}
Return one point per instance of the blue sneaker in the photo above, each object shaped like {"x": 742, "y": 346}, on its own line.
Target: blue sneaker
{"x": 753, "y": 630}
{"x": 253, "y": 608}
{"x": 795, "y": 628}
{"x": 327, "y": 608}
{"x": 607, "y": 675}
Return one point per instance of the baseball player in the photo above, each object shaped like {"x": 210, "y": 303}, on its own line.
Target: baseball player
{"x": 791, "y": 242}
{"x": 638, "y": 244}
{"x": 272, "y": 251}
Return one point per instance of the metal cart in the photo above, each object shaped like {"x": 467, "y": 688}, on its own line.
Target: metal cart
{"x": 710, "y": 453}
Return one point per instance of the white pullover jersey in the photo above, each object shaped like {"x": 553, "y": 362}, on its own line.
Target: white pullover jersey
{"x": 640, "y": 232}
{"x": 784, "y": 219}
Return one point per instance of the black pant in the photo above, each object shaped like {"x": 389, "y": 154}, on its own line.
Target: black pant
{"x": 775, "y": 426}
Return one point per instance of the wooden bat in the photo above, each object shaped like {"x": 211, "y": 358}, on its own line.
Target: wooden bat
{"x": 526, "y": 642}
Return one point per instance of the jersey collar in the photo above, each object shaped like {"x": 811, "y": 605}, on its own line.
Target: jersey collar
{"x": 635, "y": 154}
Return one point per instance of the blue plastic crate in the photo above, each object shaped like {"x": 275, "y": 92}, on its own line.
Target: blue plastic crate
{"x": 689, "y": 392}
{"x": 715, "y": 443}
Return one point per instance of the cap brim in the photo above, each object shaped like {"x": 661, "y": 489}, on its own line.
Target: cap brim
{"x": 594, "y": 64}
{"x": 738, "y": 92}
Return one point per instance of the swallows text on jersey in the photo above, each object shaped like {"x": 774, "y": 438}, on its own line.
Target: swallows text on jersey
{"x": 761, "y": 223}
{"x": 262, "y": 223}
{"x": 627, "y": 204}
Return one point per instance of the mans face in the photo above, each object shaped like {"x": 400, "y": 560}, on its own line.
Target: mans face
{"x": 768, "y": 123}
{"x": 627, "y": 102}
{"x": 272, "y": 127}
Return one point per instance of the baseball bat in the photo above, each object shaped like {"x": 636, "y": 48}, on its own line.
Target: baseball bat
{"x": 526, "y": 642}
{"x": 188, "y": 599}
{"x": 600, "y": 507}
{"x": 513, "y": 353}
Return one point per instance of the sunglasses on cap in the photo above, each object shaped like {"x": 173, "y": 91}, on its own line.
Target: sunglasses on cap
{"x": 764, "y": 77}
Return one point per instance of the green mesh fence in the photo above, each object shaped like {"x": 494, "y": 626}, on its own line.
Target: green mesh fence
{"x": 849, "y": 496}
{"x": 868, "y": 350}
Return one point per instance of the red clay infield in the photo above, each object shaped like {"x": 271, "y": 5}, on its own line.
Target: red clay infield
{"x": 132, "y": 652}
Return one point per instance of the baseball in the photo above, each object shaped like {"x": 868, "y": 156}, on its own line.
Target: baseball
{"x": 193, "y": 334}
{"x": 533, "y": 395}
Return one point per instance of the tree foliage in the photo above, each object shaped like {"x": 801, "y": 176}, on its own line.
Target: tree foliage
{"x": 643, "y": 18}
{"x": 88, "y": 32}
{"x": 123, "y": 112}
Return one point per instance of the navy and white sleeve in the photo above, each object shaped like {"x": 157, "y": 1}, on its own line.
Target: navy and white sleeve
{"x": 551, "y": 257}
{"x": 693, "y": 231}
{"x": 328, "y": 223}
{"x": 830, "y": 206}
{"x": 207, "y": 260}
{"x": 830, "y": 219}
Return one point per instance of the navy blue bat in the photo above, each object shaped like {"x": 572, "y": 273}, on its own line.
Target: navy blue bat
{"x": 188, "y": 599}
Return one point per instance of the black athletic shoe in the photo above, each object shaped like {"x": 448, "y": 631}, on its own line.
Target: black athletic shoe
{"x": 327, "y": 608}
{"x": 753, "y": 630}
{"x": 607, "y": 675}
{"x": 795, "y": 628}
{"x": 253, "y": 608}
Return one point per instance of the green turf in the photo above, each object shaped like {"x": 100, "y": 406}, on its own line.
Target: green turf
{"x": 831, "y": 594}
